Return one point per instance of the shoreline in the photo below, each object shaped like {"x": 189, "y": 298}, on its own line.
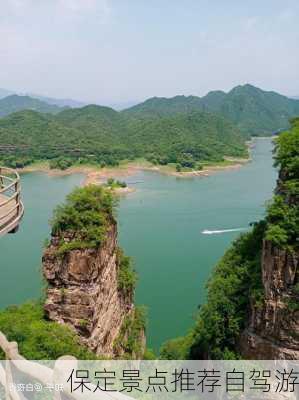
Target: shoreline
{"x": 98, "y": 176}
{"x": 94, "y": 174}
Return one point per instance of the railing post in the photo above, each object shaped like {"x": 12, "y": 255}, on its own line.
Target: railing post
{"x": 9, "y": 379}
{"x": 1, "y": 179}
{"x": 11, "y": 207}
{"x": 17, "y": 197}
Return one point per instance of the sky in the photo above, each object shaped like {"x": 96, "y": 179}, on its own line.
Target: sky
{"x": 122, "y": 51}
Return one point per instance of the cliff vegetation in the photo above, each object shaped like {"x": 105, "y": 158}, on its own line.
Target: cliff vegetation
{"x": 84, "y": 218}
{"x": 37, "y": 337}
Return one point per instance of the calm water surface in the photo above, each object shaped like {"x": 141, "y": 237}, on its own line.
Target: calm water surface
{"x": 160, "y": 227}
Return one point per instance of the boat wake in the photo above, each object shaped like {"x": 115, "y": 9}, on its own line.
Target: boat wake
{"x": 208, "y": 232}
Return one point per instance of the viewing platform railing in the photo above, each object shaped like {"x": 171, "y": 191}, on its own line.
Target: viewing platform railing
{"x": 11, "y": 206}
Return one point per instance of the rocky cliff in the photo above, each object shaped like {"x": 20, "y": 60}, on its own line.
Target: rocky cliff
{"x": 273, "y": 329}
{"x": 85, "y": 291}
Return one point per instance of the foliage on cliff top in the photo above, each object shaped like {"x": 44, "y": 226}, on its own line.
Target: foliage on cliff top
{"x": 85, "y": 217}
{"x": 283, "y": 212}
{"x": 39, "y": 339}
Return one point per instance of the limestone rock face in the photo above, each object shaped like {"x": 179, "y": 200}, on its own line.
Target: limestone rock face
{"x": 83, "y": 292}
{"x": 273, "y": 331}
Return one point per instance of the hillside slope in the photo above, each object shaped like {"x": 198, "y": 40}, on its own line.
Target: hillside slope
{"x": 257, "y": 112}
{"x": 102, "y": 135}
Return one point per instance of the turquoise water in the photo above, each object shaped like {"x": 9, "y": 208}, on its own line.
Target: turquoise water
{"x": 160, "y": 227}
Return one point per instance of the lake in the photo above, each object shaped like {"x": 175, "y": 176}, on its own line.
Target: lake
{"x": 160, "y": 227}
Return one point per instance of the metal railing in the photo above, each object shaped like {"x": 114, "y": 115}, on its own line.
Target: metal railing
{"x": 11, "y": 206}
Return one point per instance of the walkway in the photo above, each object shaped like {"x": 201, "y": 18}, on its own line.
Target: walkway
{"x": 11, "y": 207}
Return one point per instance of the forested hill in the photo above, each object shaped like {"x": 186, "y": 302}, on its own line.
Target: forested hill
{"x": 102, "y": 135}
{"x": 14, "y": 103}
{"x": 255, "y": 111}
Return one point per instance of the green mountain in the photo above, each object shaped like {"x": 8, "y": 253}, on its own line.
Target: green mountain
{"x": 96, "y": 122}
{"x": 255, "y": 111}
{"x": 14, "y": 103}
{"x": 102, "y": 135}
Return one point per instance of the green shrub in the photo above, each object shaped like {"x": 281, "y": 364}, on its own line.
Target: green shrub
{"x": 114, "y": 184}
{"x": 127, "y": 277}
{"x": 277, "y": 235}
{"x": 186, "y": 160}
{"x": 129, "y": 339}
{"x": 85, "y": 217}
{"x": 61, "y": 163}
{"x": 293, "y": 305}
{"x": 175, "y": 349}
{"x": 283, "y": 213}
{"x": 38, "y": 338}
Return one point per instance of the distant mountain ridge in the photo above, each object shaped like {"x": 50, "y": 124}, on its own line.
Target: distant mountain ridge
{"x": 5, "y": 93}
{"x": 256, "y": 112}
{"x": 70, "y": 103}
{"x": 15, "y": 103}
{"x": 253, "y": 110}
{"x": 50, "y": 100}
